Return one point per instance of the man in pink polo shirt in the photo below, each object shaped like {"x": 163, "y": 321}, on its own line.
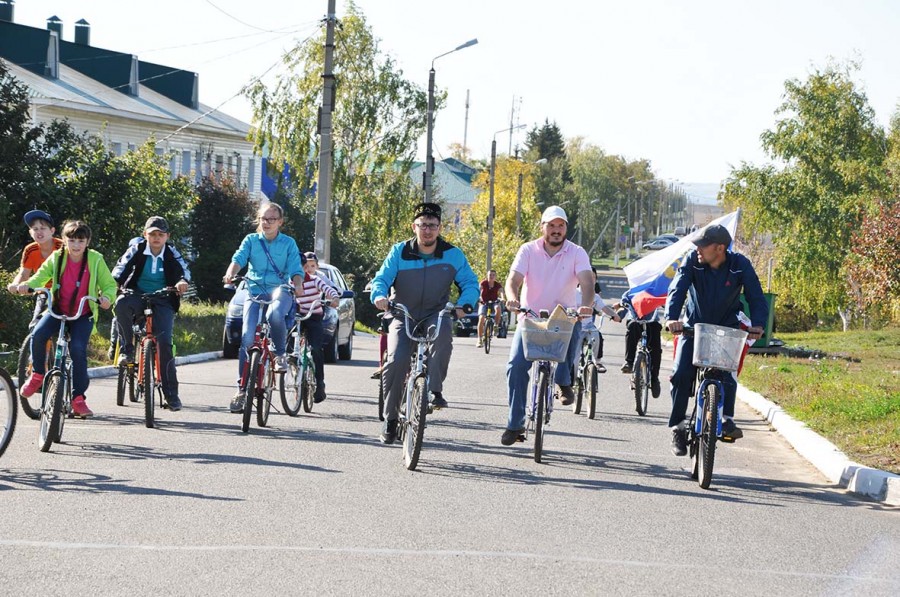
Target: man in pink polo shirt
{"x": 550, "y": 268}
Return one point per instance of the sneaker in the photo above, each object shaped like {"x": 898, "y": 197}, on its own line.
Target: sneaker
{"x": 626, "y": 368}
{"x": 437, "y": 400}
{"x": 125, "y": 359}
{"x": 32, "y": 385}
{"x": 281, "y": 364}
{"x": 80, "y": 408}
{"x": 654, "y": 387}
{"x": 237, "y": 403}
{"x": 601, "y": 368}
{"x": 389, "y": 433}
{"x": 730, "y": 431}
{"x": 319, "y": 397}
{"x": 479, "y": 344}
{"x": 566, "y": 395}
{"x": 376, "y": 375}
{"x": 679, "y": 441}
{"x": 174, "y": 403}
{"x": 511, "y": 436}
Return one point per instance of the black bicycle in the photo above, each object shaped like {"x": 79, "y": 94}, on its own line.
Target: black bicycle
{"x": 8, "y": 407}
{"x": 640, "y": 375}
{"x": 24, "y": 366}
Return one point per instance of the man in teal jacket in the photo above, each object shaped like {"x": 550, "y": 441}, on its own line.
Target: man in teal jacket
{"x": 418, "y": 273}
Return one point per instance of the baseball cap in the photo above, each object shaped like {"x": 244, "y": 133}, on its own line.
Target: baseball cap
{"x": 553, "y": 212}
{"x": 37, "y": 214}
{"x": 713, "y": 235}
{"x": 310, "y": 256}
{"x": 156, "y": 223}
{"x": 428, "y": 209}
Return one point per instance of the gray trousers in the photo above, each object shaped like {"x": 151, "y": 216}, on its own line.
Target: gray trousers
{"x": 396, "y": 366}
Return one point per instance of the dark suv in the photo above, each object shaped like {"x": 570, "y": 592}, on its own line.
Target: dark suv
{"x": 337, "y": 323}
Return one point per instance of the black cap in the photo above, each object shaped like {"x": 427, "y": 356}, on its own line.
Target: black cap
{"x": 713, "y": 235}
{"x": 156, "y": 223}
{"x": 37, "y": 214}
{"x": 428, "y": 209}
{"x": 310, "y": 256}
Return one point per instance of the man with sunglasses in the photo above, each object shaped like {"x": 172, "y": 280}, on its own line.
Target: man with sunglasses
{"x": 418, "y": 273}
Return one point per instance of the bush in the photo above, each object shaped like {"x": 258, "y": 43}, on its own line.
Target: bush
{"x": 17, "y": 312}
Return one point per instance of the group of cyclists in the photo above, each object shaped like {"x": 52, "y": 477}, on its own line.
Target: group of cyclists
{"x": 418, "y": 273}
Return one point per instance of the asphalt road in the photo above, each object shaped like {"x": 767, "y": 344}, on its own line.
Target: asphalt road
{"x": 316, "y": 505}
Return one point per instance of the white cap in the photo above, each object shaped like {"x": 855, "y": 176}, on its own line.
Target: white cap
{"x": 553, "y": 212}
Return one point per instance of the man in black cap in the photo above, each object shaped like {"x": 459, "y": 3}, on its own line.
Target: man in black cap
{"x": 710, "y": 280}
{"x": 418, "y": 273}
{"x": 151, "y": 263}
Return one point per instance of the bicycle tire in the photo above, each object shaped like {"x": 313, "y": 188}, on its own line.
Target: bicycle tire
{"x": 308, "y": 391}
{"x": 23, "y": 370}
{"x": 415, "y": 424}
{"x": 9, "y": 408}
{"x": 592, "y": 379}
{"x": 543, "y": 390}
{"x": 706, "y": 454}
{"x": 148, "y": 382}
{"x": 264, "y": 401}
{"x": 578, "y": 383}
{"x": 251, "y": 388}
{"x": 50, "y": 429}
{"x": 381, "y": 387}
{"x": 289, "y": 388}
{"x": 639, "y": 381}
{"x": 488, "y": 333}
{"x": 125, "y": 384}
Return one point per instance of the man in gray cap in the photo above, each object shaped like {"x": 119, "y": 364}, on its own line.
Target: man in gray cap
{"x": 709, "y": 284}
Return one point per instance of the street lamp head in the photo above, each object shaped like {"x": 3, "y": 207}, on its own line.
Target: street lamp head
{"x": 471, "y": 42}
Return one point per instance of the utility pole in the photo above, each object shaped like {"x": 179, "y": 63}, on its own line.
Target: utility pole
{"x": 618, "y": 227}
{"x": 519, "y": 206}
{"x": 512, "y": 115}
{"x": 323, "y": 200}
{"x": 490, "y": 218}
{"x": 466, "y": 127}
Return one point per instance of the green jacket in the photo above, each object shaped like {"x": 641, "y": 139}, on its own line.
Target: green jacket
{"x": 101, "y": 282}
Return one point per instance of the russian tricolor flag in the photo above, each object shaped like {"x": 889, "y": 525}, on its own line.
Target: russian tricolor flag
{"x": 650, "y": 276}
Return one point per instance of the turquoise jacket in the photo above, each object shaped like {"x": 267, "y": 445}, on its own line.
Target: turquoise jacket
{"x": 261, "y": 272}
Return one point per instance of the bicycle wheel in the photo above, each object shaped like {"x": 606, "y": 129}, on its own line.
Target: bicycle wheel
{"x": 148, "y": 382}
{"x": 543, "y": 390}
{"x": 415, "y": 424}
{"x": 591, "y": 380}
{"x": 23, "y": 371}
{"x": 264, "y": 401}
{"x": 639, "y": 381}
{"x": 50, "y": 429}
{"x": 8, "y": 410}
{"x": 706, "y": 453}
{"x": 289, "y": 387}
{"x": 488, "y": 333}
{"x": 308, "y": 389}
{"x": 251, "y": 388}
{"x": 125, "y": 385}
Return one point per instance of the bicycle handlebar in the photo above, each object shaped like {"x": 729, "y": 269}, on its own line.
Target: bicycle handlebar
{"x": 238, "y": 279}
{"x": 313, "y": 305}
{"x": 61, "y": 317}
{"x": 429, "y": 336}
{"x": 167, "y": 291}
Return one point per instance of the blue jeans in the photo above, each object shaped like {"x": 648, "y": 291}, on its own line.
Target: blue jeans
{"x": 683, "y": 375}
{"x": 275, "y": 314}
{"x": 518, "y": 374}
{"x": 129, "y": 308}
{"x": 79, "y": 333}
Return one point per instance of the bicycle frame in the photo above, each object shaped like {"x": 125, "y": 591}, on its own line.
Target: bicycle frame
{"x": 707, "y": 377}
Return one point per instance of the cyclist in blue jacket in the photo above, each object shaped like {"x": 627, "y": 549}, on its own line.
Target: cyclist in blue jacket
{"x": 418, "y": 273}
{"x": 711, "y": 280}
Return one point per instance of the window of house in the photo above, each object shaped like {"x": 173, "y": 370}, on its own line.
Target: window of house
{"x": 186, "y": 163}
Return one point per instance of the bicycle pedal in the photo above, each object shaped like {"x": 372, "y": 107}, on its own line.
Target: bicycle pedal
{"x": 431, "y": 409}
{"x": 521, "y": 437}
{"x": 726, "y": 439}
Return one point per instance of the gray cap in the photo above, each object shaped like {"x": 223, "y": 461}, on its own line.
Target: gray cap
{"x": 713, "y": 235}
{"x": 156, "y": 223}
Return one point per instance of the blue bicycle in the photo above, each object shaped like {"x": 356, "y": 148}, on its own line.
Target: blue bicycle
{"x": 717, "y": 353}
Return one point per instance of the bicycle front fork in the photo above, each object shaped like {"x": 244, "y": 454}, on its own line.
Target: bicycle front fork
{"x": 701, "y": 402}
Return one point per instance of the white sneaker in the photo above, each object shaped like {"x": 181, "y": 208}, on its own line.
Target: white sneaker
{"x": 281, "y": 364}
{"x": 480, "y": 344}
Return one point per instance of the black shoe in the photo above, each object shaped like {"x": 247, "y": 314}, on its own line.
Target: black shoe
{"x": 654, "y": 387}
{"x": 389, "y": 433}
{"x": 566, "y": 395}
{"x": 730, "y": 431}
{"x": 320, "y": 397}
{"x": 679, "y": 441}
{"x": 174, "y": 403}
{"x": 626, "y": 368}
{"x": 511, "y": 436}
{"x": 237, "y": 403}
{"x": 437, "y": 400}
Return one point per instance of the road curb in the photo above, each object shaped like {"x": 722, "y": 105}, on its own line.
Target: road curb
{"x": 865, "y": 481}
{"x": 111, "y": 370}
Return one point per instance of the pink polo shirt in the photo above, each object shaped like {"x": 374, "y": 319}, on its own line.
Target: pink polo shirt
{"x": 550, "y": 281}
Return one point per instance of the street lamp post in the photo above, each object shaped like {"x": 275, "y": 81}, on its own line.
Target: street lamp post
{"x": 490, "y": 218}
{"x": 519, "y": 198}
{"x": 429, "y": 157}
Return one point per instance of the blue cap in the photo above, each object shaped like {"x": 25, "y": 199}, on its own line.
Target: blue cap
{"x": 37, "y": 214}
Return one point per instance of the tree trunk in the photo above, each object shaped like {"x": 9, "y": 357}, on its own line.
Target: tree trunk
{"x": 846, "y": 315}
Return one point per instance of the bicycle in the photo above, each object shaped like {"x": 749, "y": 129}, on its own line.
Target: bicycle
{"x": 24, "y": 365}
{"x": 488, "y": 330}
{"x": 382, "y": 357}
{"x": 8, "y": 407}
{"x": 411, "y": 428}
{"x": 717, "y": 353}
{"x": 146, "y": 368}
{"x": 545, "y": 341}
{"x": 586, "y": 378}
{"x": 258, "y": 377}
{"x": 300, "y": 387}
{"x": 640, "y": 375}
{"x": 56, "y": 404}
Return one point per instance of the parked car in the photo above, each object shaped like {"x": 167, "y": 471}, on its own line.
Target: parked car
{"x": 337, "y": 323}
{"x": 658, "y": 243}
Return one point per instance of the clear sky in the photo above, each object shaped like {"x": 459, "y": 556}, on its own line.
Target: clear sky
{"x": 689, "y": 84}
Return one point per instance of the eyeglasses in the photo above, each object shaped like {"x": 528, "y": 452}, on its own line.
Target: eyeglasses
{"x": 422, "y": 226}
{"x": 269, "y": 220}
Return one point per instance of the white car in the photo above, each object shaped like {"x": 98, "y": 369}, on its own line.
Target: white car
{"x": 658, "y": 243}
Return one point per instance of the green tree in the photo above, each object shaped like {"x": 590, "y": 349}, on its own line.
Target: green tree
{"x": 832, "y": 152}
{"x": 553, "y": 180}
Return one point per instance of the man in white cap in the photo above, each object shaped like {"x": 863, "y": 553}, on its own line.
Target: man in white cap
{"x": 549, "y": 268}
